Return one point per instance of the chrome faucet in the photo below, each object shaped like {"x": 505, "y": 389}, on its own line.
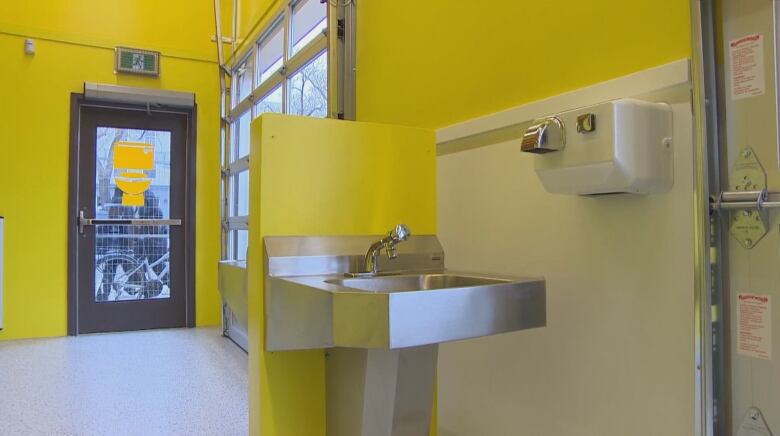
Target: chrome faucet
{"x": 399, "y": 234}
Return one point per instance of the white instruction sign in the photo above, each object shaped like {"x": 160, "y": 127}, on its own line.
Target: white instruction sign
{"x": 746, "y": 55}
{"x": 754, "y": 325}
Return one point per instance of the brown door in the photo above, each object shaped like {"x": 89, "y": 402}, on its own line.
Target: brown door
{"x": 131, "y": 197}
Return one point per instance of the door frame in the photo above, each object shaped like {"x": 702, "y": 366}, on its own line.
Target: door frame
{"x": 77, "y": 102}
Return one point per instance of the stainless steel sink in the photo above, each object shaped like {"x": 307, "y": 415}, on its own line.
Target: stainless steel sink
{"x": 313, "y": 302}
{"x": 383, "y": 328}
{"x": 413, "y": 282}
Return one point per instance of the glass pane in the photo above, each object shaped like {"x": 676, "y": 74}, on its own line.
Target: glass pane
{"x": 242, "y": 193}
{"x": 242, "y": 139}
{"x": 231, "y": 244}
{"x": 133, "y": 178}
{"x": 242, "y": 242}
{"x": 272, "y": 102}
{"x": 243, "y": 82}
{"x": 269, "y": 54}
{"x": 222, "y": 146}
{"x": 308, "y": 88}
{"x": 309, "y": 19}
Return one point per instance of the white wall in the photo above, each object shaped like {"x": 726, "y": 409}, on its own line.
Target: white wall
{"x": 616, "y": 357}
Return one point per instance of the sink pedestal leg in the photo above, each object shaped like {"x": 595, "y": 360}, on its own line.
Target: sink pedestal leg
{"x": 380, "y": 392}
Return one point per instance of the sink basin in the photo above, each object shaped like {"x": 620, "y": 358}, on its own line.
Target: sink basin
{"x": 310, "y": 302}
{"x": 413, "y": 282}
{"x": 383, "y": 330}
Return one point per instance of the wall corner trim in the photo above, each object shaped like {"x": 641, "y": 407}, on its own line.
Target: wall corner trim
{"x": 510, "y": 123}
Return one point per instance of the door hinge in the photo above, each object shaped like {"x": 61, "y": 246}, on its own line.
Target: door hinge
{"x": 340, "y": 28}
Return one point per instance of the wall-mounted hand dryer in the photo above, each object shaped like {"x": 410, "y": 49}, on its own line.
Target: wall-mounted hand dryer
{"x": 614, "y": 147}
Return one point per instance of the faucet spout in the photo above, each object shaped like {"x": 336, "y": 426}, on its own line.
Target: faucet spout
{"x": 389, "y": 242}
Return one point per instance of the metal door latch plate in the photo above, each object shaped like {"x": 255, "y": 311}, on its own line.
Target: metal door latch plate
{"x": 748, "y": 226}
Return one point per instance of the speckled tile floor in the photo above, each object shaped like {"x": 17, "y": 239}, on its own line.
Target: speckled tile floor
{"x": 155, "y": 382}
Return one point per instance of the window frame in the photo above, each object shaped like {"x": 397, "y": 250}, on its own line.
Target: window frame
{"x": 327, "y": 41}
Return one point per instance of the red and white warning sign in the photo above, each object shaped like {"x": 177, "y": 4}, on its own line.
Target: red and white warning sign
{"x": 747, "y": 66}
{"x": 754, "y": 325}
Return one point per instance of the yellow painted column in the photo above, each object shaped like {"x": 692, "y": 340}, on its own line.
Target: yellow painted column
{"x": 323, "y": 177}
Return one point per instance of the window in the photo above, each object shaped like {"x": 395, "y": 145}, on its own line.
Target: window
{"x": 272, "y": 102}
{"x": 243, "y": 80}
{"x": 308, "y": 89}
{"x": 242, "y": 243}
{"x": 270, "y": 53}
{"x": 242, "y": 193}
{"x": 242, "y": 134}
{"x": 309, "y": 19}
{"x": 286, "y": 70}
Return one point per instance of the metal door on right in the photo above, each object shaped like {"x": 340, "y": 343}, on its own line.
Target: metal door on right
{"x": 747, "y": 346}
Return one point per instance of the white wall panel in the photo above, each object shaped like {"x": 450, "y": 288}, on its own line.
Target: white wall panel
{"x": 617, "y": 355}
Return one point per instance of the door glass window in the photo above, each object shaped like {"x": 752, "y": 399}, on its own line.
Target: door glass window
{"x": 133, "y": 181}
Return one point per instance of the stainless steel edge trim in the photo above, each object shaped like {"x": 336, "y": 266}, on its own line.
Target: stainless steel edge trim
{"x": 294, "y": 255}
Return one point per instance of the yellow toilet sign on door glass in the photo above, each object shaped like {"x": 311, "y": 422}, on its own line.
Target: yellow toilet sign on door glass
{"x": 131, "y": 161}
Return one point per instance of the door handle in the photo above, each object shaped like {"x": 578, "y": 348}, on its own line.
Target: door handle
{"x": 84, "y": 222}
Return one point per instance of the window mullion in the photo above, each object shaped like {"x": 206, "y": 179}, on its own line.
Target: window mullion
{"x": 286, "y": 54}
{"x": 241, "y": 108}
{"x": 305, "y": 56}
{"x": 267, "y": 86}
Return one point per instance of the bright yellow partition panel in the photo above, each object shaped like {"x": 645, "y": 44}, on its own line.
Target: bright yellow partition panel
{"x": 323, "y": 177}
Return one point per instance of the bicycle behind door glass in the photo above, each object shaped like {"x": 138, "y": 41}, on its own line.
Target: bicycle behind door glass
{"x": 133, "y": 181}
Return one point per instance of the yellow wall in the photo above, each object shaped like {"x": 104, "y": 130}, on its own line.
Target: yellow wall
{"x": 253, "y": 14}
{"x": 442, "y": 61}
{"x": 323, "y": 177}
{"x": 175, "y": 27}
{"x": 35, "y": 122}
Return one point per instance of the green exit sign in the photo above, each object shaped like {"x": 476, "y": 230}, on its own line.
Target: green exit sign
{"x": 136, "y": 61}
